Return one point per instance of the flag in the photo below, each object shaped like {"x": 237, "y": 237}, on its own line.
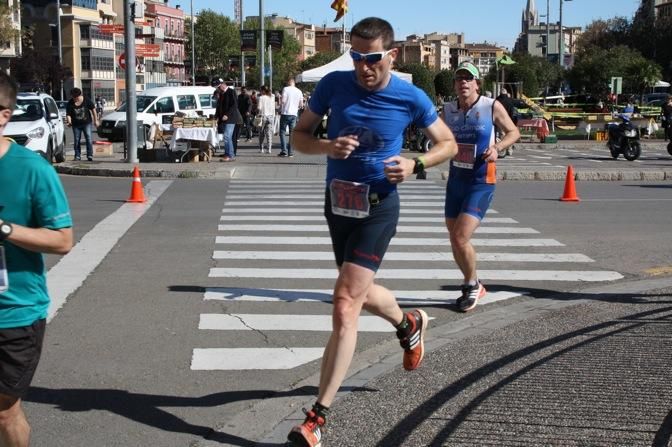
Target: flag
{"x": 341, "y": 7}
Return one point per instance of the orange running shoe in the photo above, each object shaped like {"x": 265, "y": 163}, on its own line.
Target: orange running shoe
{"x": 414, "y": 342}
{"x": 308, "y": 434}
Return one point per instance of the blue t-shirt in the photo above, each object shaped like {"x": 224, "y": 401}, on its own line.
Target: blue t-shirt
{"x": 378, "y": 118}
{"x": 31, "y": 195}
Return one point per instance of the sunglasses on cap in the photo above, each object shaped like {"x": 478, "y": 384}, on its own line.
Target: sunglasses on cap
{"x": 369, "y": 58}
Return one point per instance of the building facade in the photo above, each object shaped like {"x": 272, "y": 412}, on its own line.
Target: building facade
{"x": 12, "y": 48}
{"x": 663, "y": 8}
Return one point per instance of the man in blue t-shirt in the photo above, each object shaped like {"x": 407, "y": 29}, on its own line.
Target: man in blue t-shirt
{"x": 369, "y": 110}
{"x": 34, "y": 219}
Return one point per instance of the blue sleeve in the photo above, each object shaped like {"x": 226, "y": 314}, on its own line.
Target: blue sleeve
{"x": 50, "y": 204}
{"x": 319, "y": 101}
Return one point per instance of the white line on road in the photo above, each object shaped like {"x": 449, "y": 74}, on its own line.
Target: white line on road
{"x": 314, "y": 210}
{"x": 437, "y": 196}
{"x": 276, "y": 322}
{"x": 331, "y": 273}
{"x": 397, "y": 241}
{"x": 231, "y": 359}
{"x": 70, "y": 272}
{"x": 404, "y": 297}
{"x": 436, "y": 203}
{"x": 400, "y": 229}
{"x": 320, "y": 218}
{"x": 431, "y": 256}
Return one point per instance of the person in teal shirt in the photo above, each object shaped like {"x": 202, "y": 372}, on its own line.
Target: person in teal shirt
{"x": 34, "y": 219}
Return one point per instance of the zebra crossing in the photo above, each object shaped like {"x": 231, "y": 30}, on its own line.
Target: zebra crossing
{"x": 266, "y": 223}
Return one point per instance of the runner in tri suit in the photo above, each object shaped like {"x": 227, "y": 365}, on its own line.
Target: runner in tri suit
{"x": 370, "y": 108}
{"x": 471, "y": 183}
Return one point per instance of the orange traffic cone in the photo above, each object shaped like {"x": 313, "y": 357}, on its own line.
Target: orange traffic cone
{"x": 570, "y": 191}
{"x": 137, "y": 193}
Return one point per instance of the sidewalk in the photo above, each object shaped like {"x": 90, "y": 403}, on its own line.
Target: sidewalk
{"x": 251, "y": 164}
{"x": 587, "y": 368}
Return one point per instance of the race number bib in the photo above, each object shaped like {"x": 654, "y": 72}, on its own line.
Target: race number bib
{"x": 4, "y": 277}
{"x": 466, "y": 156}
{"x": 349, "y": 199}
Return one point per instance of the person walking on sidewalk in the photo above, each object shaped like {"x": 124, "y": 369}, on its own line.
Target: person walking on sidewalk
{"x": 291, "y": 100}
{"x": 266, "y": 109}
{"x": 245, "y": 109}
{"x": 472, "y": 177}
{"x": 227, "y": 116}
{"x": 81, "y": 116}
{"x": 370, "y": 109}
{"x": 34, "y": 219}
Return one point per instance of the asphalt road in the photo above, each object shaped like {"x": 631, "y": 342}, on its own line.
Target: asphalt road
{"x": 118, "y": 365}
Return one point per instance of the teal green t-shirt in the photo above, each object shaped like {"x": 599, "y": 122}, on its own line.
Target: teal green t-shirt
{"x": 31, "y": 195}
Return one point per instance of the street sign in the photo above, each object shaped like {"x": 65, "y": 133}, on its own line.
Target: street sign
{"x": 148, "y": 49}
{"x": 111, "y": 29}
{"x": 616, "y": 85}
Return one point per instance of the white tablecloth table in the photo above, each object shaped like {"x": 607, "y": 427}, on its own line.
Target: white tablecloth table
{"x": 208, "y": 134}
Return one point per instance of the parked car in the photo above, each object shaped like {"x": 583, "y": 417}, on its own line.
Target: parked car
{"x": 37, "y": 124}
{"x": 157, "y": 105}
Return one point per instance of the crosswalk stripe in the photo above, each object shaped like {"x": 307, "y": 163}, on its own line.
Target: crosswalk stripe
{"x": 234, "y": 359}
{"x": 432, "y": 256}
{"x": 404, "y": 297}
{"x": 320, "y": 218}
{"x": 397, "y": 241}
{"x": 308, "y": 189}
{"x": 332, "y": 273}
{"x": 315, "y": 210}
{"x": 437, "y": 196}
{"x": 400, "y": 229}
{"x": 246, "y": 202}
{"x": 276, "y": 322}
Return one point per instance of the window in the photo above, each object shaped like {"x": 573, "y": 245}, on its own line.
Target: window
{"x": 186, "y": 102}
{"x": 206, "y": 101}
{"x": 163, "y": 105}
{"x": 51, "y": 106}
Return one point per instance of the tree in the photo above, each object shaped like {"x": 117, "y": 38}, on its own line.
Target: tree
{"x": 422, "y": 77}
{"x": 604, "y": 34}
{"x": 37, "y": 67}
{"x": 443, "y": 83}
{"x": 535, "y": 73}
{"x": 319, "y": 59}
{"x": 7, "y": 31}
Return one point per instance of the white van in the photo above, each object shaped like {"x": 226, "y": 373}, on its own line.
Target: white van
{"x": 153, "y": 104}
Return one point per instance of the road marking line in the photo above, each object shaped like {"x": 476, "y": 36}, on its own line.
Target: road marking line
{"x": 417, "y": 203}
{"x": 276, "y": 322}
{"x": 315, "y": 210}
{"x": 332, "y": 273}
{"x": 432, "y": 256}
{"x": 230, "y": 359}
{"x": 397, "y": 241}
{"x": 438, "y": 196}
{"x": 404, "y": 297}
{"x": 69, "y": 273}
{"x": 320, "y": 218}
{"x": 400, "y": 229}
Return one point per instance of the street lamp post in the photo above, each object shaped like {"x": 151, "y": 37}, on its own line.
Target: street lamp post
{"x": 548, "y": 26}
{"x": 261, "y": 43}
{"x": 561, "y": 44}
{"x": 193, "y": 50}
{"x": 60, "y": 45}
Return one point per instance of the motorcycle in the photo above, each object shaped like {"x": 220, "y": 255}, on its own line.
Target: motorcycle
{"x": 624, "y": 139}
{"x": 416, "y": 140}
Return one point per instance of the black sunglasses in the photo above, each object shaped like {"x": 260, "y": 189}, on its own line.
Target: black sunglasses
{"x": 464, "y": 78}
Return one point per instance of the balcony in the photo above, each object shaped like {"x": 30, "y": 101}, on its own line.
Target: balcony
{"x": 174, "y": 35}
{"x": 173, "y": 60}
{"x": 89, "y": 4}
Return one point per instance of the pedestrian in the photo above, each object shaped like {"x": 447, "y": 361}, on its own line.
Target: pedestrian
{"x": 472, "y": 176}
{"x": 245, "y": 109}
{"x": 505, "y": 99}
{"x": 81, "y": 115}
{"x": 227, "y": 116}
{"x": 266, "y": 110}
{"x": 291, "y": 101}
{"x": 370, "y": 108}
{"x": 666, "y": 117}
{"x": 34, "y": 219}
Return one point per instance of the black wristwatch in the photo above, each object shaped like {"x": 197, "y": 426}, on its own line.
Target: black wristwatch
{"x": 5, "y": 230}
{"x": 419, "y": 165}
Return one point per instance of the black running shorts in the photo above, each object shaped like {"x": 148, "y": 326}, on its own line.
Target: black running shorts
{"x": 20, "y": 350}
{"x": 363, "y": 241}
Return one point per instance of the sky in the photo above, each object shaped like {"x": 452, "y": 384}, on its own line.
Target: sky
{"x": 494, "y": 21}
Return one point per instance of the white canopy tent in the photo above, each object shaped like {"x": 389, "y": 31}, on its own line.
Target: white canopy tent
{"x": 341, "y": 63}
{"x": 661, "y": 84}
